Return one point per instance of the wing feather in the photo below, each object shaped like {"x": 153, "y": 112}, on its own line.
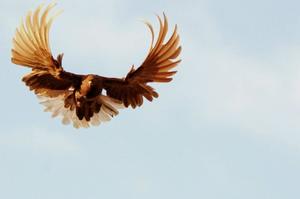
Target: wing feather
{"x": 157, "y": 66}
{"x": 31, "y": 49}
{"x": 60, "y": 90}
{"x": 31, "y": 42}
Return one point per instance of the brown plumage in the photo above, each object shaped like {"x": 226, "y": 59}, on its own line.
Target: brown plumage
{"x": 79, "y": 98}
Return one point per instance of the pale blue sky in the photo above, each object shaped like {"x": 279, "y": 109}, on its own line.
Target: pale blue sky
{"x": 227, "y": 127}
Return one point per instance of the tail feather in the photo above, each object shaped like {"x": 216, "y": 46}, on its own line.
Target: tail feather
{"x": 98, "y": 110}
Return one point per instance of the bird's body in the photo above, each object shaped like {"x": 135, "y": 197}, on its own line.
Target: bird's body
{"x": 88, "y": 99}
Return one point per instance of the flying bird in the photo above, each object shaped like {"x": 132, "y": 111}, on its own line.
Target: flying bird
{"x": 85, "y": 100}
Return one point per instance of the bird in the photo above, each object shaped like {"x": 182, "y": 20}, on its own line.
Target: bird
{"x": 89, "y": 100}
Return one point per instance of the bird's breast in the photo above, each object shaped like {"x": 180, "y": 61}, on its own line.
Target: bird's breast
{"x": 86, "y": 85}
{"x": 90, "y": 87}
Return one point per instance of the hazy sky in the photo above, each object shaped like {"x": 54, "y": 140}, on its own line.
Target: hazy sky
{"x": 227, "y": 127}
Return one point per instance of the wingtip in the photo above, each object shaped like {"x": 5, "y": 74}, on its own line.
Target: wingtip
{"x": 159, "y": 18}
{"x": 155, "y": 94}
{"x": 165, "y": 16}
{"x": 53, "y": 3}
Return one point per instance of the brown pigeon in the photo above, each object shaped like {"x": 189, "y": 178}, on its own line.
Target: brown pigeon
{"x": 80, "y": 99}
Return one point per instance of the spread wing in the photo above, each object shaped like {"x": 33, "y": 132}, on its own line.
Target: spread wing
{"x": 57, "y": 89}
{"x": 31, "y": 49}
{"x": 157, "y": 67}
{"x": 31, "y": 43}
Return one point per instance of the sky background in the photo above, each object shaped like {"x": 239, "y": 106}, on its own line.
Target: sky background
{"x": 227, "y": 127}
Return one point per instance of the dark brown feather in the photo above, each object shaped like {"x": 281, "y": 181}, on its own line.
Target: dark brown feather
{"x": 67, "y": 93}
{"x": 156, "y": 68}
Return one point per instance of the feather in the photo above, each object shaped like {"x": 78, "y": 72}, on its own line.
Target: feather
{"x": 78, "y": 99}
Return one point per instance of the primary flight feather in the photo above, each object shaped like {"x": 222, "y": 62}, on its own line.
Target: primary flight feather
{"x": 80, "y": 98}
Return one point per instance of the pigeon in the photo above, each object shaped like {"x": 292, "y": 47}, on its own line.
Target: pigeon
{"x": 89, "y": 99}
